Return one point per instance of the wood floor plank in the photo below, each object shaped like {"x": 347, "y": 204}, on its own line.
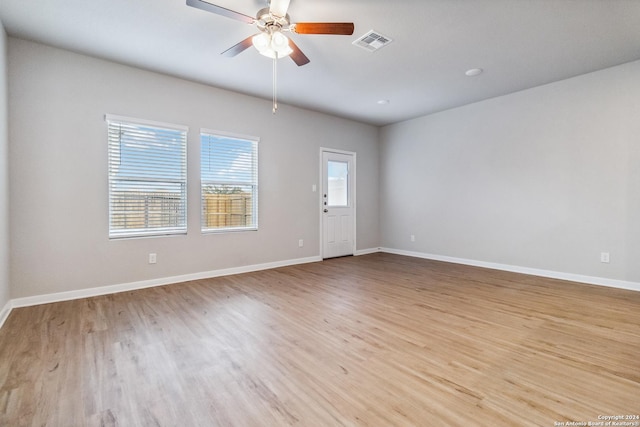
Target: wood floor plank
{"x": 376, "y": 340}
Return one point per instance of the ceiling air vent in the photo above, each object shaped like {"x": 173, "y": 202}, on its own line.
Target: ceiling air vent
{"x": 372, "y": 41}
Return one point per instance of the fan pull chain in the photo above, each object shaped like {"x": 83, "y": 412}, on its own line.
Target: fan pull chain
{"x": 275, "y": 80}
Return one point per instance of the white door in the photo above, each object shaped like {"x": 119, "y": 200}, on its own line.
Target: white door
{"x": 338, "y": 203}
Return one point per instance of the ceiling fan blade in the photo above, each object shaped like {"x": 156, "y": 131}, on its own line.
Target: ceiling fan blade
{"x": 239, "y": 48}
{"x": 337, "y": 28}
{"x": 219, "y": 10}
{"x": 279, "y": 8}
{"x": 298, "y": 57}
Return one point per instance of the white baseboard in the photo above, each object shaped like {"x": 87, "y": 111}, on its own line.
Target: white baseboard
{"x": 4, "y": 313}
{"x": 366, "y": 251}
{"x": 112, "y": 289}
{"x": 105, "y": 290}
{"x": 601, "y": 281}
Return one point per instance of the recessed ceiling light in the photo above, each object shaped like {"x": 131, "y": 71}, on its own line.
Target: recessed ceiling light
{"x": 383, "y": 102}
{"x": 474, "y": 72}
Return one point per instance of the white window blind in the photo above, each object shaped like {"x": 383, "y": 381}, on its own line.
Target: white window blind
{"x": 229, "y": 182}
{"x": 147, "y": 178}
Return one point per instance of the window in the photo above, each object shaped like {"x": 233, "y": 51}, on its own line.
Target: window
{"x": 229, "y": 182}
{"x": 147, "y": 178}
{"x": 338, "y": 183}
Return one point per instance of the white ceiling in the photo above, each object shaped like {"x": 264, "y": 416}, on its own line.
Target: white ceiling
{"x": 519, "y": 44}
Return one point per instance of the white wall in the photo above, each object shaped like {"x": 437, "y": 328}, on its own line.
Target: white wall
{"x": 57, "y": 102}
{"x": 4, "y": 176}
{"x": 546, "y": 178}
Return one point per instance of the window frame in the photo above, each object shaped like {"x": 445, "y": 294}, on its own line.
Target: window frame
{"x": 181, "y": 181}
{"x": 254, "y": 140}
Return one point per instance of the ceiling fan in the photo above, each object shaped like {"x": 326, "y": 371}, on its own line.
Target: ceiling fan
{"x": 273, "y": 21}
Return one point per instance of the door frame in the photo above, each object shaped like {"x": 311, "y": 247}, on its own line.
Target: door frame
{"x": 353, "y": 199}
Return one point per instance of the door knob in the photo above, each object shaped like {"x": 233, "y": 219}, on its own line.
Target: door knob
{"x": 326, "y": 210}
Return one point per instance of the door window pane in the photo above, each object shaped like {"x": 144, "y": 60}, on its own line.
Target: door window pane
{"x": 337, "y": 185}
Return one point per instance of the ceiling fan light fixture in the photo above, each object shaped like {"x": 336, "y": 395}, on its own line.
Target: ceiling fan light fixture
{"x": 275, "y": 45}
{"x": 280, "y": 43}
{"x": 261, "y": 41}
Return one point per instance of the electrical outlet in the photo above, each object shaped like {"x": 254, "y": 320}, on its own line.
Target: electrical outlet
{"x": 604, "y": 257}
{"x": 300, "y": 243}
{"x": 153, "y": 258}
{"x": 413, "y": 238}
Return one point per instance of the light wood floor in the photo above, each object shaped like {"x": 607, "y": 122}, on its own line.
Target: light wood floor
{"x": 377, "y": 340}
